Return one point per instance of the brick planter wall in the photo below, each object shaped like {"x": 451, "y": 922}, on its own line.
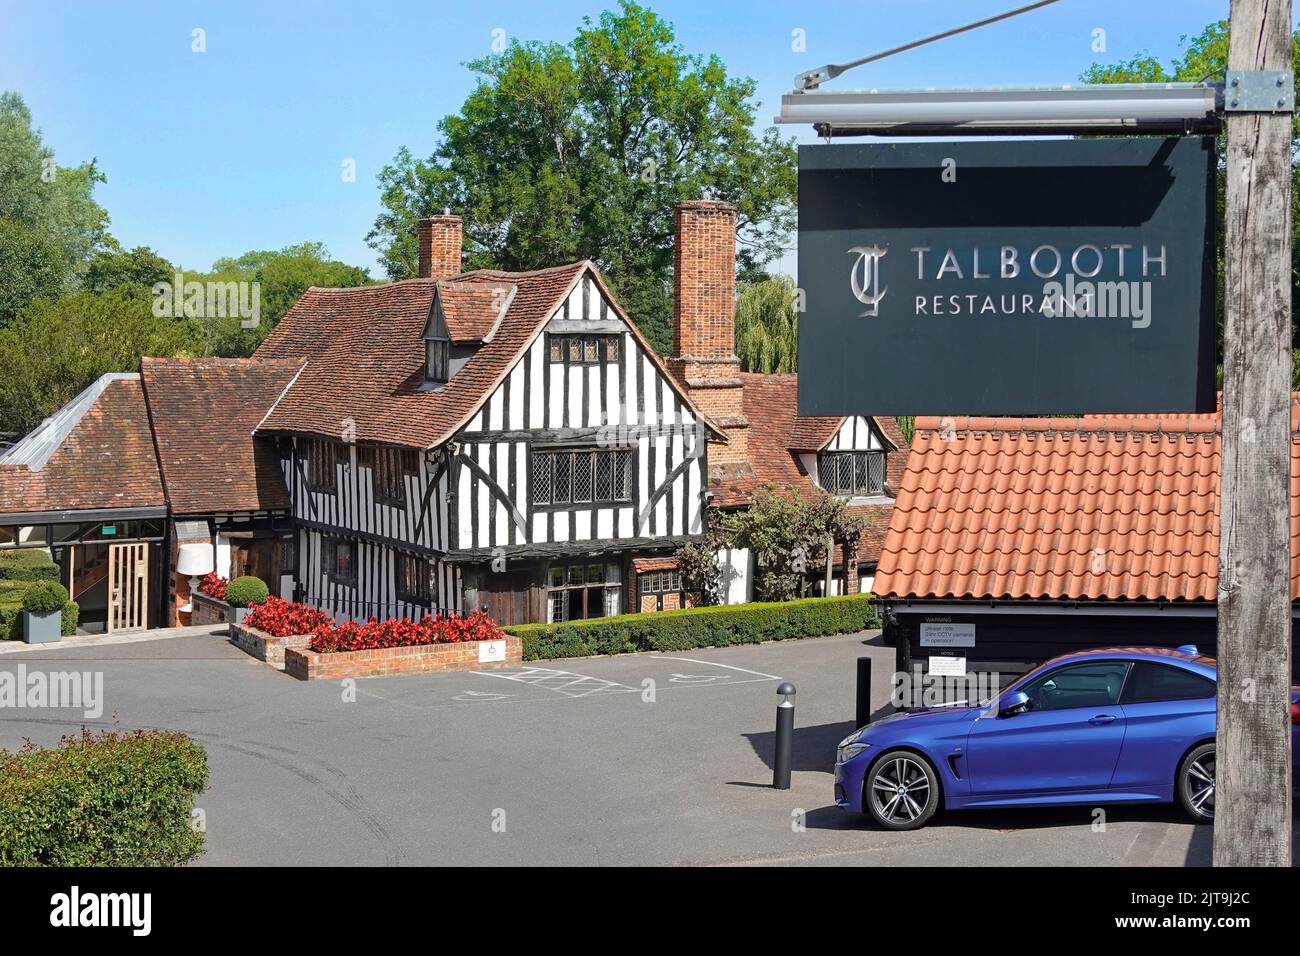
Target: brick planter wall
{"x": 264, "y": 646}
{"x": 208, "y": 610}
{"x": 422, "y": 659}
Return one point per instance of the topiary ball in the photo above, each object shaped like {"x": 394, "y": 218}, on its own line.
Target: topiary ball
{"x": 45, "y": 597}
{"x": 246, "y": 590}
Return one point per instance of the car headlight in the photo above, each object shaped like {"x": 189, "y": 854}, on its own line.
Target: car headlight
{"x": 848, "y": 752}
{"x": 850, "y": 746}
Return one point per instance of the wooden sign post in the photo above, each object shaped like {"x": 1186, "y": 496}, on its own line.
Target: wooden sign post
{"x": 1252, "y": 825}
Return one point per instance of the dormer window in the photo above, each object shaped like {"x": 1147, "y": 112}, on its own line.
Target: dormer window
{"x": 437, "y": 358}
{"x": 437, "y": 348}
{"x": 852, "y": 473}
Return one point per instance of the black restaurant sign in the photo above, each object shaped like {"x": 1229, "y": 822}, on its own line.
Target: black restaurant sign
{"x": 1016, "y": 277}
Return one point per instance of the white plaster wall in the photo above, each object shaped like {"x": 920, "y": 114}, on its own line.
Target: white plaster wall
{"x": 737, "y": 575}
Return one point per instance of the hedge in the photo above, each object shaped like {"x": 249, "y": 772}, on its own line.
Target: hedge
{"x": 27, "y": 564}
{"x": 20, "y": 568}
{"x": 698, "y": 627}
{"x": 11, "y": 620}
{"x": 102, "y": 800}
{"x": 12, "y": 591}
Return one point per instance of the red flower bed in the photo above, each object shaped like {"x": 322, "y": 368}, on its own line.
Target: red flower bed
{"x": 281, "y": 618}
{"x": 396, "y": 632}
{"x": 213, "y": 585}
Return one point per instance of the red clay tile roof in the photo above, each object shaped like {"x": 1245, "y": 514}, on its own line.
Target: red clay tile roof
{"x": 365, "y": 356}
{"x": 1099, "y": 508}
{"x": 776, "y": 436}
{"x": 106, "y": 461}
{"x": 472, "y": 308}
{"x": 204, "y": 412}
{"x": 769, "y": 405}
{"x": 814, "y": 432}
{"x": 641, "y": 565}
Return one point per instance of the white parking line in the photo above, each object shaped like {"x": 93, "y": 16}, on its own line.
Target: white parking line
{"x": 479, "y": 696}
{"x": 560, "y": 681}
{"x": 730, "y": 667}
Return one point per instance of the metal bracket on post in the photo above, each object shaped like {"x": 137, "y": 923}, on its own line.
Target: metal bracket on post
{"x": 1259, "y": 91}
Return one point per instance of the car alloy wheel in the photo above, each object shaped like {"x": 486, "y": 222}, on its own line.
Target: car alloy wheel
{"x": 1196, "y": 783}
{"x": 902, "y": 791}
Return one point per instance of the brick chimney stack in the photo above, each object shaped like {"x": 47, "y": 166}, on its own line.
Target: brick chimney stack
{"x": 439, "y": 239}
{"x": 704, "y": 324}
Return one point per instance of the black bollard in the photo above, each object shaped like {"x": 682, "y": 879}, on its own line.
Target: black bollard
{"x": 784, "y": 737}
{"x": 862, "y": 715}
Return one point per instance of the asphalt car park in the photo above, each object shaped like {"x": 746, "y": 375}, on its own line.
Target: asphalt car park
{"x": 656, "y": 759}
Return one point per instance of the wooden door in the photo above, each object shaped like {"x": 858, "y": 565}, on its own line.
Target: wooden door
{"x": 128, "y": 587}
{"x": 504, "y": 596}
{"x": 258, "y": 557}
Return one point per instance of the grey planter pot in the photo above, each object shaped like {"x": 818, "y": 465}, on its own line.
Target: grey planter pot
{"x": 237, "y": 615}
{"x": 42, "y": 628}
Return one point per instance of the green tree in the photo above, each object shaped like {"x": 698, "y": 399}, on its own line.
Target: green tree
{"x": 114, "y": 266}
{"x": 53, "y": 203}
{"x": 32, "y": 267}
{"x": 787, "y": 535}
{"x": 767, "y": 326}
{"x": 565, "y": 152}
{"x": 57, "y": 348}
{"x": 906, "y": 425}
{"x": 283, "y": 277}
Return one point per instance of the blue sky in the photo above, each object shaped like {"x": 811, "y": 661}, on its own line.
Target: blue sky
{"x": 241, "y": 147}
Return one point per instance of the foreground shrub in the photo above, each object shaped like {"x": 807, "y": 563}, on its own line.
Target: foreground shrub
{"x": 281, "y": 618}
{"x": 102, "y": 800}
{"x": 27, "y": 564}
{"x": 698, "y": 627}
{"x": 71, "y": 617}
{"x": 246, "y": 591}
{"x": 397, "y": 632}
{"x": 45, "y": 597}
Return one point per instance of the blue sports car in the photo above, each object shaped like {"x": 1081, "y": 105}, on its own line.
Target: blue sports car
{"x": 1119, "y": 725}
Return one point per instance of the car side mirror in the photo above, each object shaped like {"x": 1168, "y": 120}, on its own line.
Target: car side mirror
{"x": 1013, "y": 703}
